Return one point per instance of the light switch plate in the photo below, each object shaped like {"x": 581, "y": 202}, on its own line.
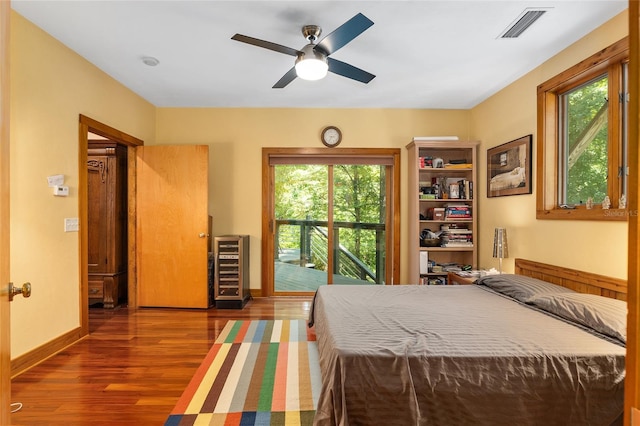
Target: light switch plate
{"x": 71, "y": 224}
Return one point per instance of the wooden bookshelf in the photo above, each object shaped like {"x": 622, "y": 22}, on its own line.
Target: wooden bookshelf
{"x": 442, "y": 194}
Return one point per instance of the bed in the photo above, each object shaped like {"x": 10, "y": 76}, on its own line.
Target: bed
{"x": 517, "y": 349}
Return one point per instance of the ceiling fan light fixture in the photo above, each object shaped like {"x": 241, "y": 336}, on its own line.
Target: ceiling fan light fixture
{"x": 311, "y": 65}
{"x": 311, "y": 69}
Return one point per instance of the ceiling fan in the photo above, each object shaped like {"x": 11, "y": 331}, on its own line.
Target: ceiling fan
{"x": 313, "y": 61}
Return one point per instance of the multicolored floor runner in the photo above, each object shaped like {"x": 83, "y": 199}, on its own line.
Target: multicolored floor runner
{"x": 256, "y": 373}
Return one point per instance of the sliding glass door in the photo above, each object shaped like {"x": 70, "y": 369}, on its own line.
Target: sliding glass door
{"x": 359, "y": 224}
{"x": 301, "y": 227}
{"x": 331, "y": 221}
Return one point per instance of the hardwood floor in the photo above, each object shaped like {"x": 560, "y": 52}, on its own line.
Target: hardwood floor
{"x": 133, "y": 366}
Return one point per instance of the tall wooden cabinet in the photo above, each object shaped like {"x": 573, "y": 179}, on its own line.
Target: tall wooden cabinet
{"x": 443, "y": 219}
{"x": 231, "y": 271}
{"x": 107, "y": 211}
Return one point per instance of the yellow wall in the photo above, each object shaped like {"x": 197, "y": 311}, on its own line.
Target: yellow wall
{"x": 50, "y": 87}
{"x": 236, "y": 137}
{"x": 599, "y": 247}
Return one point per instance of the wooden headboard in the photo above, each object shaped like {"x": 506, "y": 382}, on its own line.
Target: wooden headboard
{"x": 583, "y": 282}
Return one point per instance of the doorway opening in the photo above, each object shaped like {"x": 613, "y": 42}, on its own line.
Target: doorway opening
{"x": 126, "y": 142}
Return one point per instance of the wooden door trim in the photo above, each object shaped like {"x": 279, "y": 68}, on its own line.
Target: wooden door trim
{"x": 87, "y": 125}
{"x": 267, "y": 267}
{"x": 268, "y": 182}
{"x": 631, "y": 391}
{"x": 5, "y": 317}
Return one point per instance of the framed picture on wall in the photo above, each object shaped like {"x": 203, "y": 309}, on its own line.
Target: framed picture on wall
{"x": 509, "y": 168}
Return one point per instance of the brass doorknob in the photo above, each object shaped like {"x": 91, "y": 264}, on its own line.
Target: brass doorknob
{"x": 25, "y": 290}
{"x": 202, "y": 235}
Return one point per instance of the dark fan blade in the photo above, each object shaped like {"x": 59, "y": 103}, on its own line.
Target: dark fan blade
{"x": 344, "y": 34}
{"x": 349, "y": 71}
{"x": 286, "y": 79}
{"x": 266, "y": 44}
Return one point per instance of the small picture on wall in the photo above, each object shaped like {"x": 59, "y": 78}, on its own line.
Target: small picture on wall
{"x": 509, "y": 168}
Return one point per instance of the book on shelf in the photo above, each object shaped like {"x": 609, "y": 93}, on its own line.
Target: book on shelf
{"x": 457, "y": 211}
{"x": 425, "y": 162}
{"x": 458, "y": 231}
{"x": 458, "y": 166}
{"x": 455, "y": 235}
{"x": 448, "y": 226}
{"x": 454, "y": 190}
{"x": 455, "y": 228}
{"x": 457, "y": 244}
{"x": 427, "y": 196}
{"x": 455, "y": 231}
{"x": 456, "y": 238}
{"x": 464, "y": 189}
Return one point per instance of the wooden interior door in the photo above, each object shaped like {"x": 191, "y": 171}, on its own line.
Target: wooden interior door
{"x": 172, "y": 225}
{"x": 5, "y": 343}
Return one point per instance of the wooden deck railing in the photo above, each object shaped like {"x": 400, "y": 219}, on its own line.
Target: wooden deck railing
{"x": 313, "y": 247}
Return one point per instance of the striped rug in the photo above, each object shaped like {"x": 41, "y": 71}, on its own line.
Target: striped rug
{"x": 256, "y": 373}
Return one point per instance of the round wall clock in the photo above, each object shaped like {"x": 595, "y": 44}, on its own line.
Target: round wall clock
{"x": 331, "y": 136}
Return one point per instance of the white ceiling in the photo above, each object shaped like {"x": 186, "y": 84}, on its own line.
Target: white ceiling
{"x": 425, "y": 54}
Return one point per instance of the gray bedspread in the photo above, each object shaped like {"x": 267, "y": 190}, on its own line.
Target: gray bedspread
{"x": 458, "y": 355}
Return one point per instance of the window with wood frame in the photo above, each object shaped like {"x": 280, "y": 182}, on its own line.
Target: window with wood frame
{"x": 582, "y": 132}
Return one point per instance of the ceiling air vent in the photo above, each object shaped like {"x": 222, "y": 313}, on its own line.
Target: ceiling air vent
{"x": 522, "y": 22}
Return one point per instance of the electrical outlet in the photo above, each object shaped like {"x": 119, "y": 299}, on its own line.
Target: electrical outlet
{"x": 71, "y": 224}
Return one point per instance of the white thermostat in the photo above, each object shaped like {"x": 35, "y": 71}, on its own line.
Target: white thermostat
{"x": 61, "y": 191}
